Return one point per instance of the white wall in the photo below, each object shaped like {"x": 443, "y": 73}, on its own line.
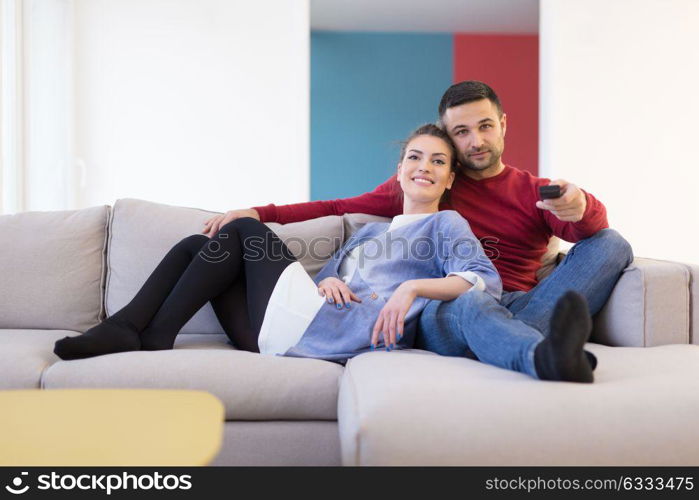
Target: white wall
{"x": 200, "y": 103}
{"x": 619, "y": 108}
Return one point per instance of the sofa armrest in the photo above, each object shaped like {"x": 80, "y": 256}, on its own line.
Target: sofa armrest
{"x": 693, "y": 303}
{"x": 649, "y": 306}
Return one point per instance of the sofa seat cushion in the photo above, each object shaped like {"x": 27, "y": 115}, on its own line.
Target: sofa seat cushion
{"x": 251, "y": 386}
{"x": 24, "y": 354}
{"x": 417, "y": 408}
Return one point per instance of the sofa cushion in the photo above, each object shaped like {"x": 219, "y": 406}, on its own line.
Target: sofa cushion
{"x": 142, "y": 232}
{"x": 252, "y": 386}
{"x": 52, "y": 268}
{"x": 354, "y": 222}
{"x": 416, "y": 408}
{"x": 649, "y": 306}
{"x": 550, "y": 259}
{"x": 24, "y": 354}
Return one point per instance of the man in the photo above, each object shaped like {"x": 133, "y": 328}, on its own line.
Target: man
{"x": 536, "y": 328}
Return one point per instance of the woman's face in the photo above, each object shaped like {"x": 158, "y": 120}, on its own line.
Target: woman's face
{"x": 424, "y": 172}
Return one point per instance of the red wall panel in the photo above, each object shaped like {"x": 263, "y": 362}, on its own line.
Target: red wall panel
{"x": 510, "y": 65}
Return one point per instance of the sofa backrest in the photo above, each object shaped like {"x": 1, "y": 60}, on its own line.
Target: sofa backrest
{"x": 142, "y": 232}
{"x": 71, "y": 269}
{"x": 52, "y": 268}
{"x": 353, "y": 222}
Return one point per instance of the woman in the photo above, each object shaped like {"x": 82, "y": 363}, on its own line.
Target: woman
{"x": 267, "y": 303}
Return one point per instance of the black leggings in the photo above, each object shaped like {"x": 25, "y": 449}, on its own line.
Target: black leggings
{"x": 236, "y": 270}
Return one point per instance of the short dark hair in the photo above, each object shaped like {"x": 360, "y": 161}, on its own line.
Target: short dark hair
{"x": 465, "y": 92}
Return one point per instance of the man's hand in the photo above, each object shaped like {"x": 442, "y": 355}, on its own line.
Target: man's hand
{"x": 336, "y": 292}
{"x": 571, "y": 205}
{"x": 391, "y": 318}
{"x": 212, "y": 225}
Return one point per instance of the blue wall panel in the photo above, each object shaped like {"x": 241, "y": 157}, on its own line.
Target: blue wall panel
{"x": 368, "y": 91}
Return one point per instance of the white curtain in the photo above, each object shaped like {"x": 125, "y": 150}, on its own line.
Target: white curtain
{"x": 11, "y": 148}
{"x": 37, "y": 170}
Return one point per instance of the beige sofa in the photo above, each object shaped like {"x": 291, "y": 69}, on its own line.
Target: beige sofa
{"x": 62, "y": 272}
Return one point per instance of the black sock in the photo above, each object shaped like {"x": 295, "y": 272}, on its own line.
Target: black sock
{"x": 560, "y": 356}
{"x": 110, "y": 336}
{"x": 592, "y": 359}
{"x": 158, "y": 339}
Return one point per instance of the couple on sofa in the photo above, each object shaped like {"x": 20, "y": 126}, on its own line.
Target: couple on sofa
{"x": 423, "y": 279}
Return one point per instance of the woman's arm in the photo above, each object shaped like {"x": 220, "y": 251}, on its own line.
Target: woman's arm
{"x": 465, "y": 267}
{"x": 438, "y": 288}
{"x": 466, "y": 257}
{"x": 391, "y": 319}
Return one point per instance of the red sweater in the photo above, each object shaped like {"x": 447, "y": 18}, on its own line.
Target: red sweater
{"x": 501, "y": 210}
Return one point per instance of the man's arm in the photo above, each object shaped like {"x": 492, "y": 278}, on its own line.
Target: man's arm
{"x": 574, "y": 216}
{"x": 384, "y": 201}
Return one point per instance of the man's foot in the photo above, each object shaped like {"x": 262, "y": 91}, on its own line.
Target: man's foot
{"x": 592, "y": 359}
{"x": 108, "y": 337}
{"x": 560, "y": 356}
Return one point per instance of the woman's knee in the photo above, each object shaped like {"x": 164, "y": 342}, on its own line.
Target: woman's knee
{"x": 190, "y": 245}
{"x": 243, "y": 225}
{"x": 193, "y": 243}
{"x": 256, "y": 237}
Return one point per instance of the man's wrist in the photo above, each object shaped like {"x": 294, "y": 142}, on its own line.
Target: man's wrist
{"x": 586, "y": 210}
{"x": 267, "y": 213}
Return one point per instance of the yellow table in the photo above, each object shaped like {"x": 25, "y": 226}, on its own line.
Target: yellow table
{"x": 139, "y": 427}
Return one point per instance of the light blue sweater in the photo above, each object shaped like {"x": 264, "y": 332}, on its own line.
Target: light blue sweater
{"x": 431, "y": 247}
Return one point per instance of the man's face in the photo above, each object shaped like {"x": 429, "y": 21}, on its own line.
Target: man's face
{"x": 478, "y": 132}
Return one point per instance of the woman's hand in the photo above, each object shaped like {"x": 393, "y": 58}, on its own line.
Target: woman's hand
{"x": 391, "y": 317}
{"x": 336, "y": 291}
{"x": 212, "y": 225}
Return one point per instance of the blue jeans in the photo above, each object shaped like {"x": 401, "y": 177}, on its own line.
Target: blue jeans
{"x": 505, "y": 333}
